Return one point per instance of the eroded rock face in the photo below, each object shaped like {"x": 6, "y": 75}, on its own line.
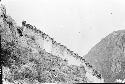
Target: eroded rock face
{"x": 108, "y": 56}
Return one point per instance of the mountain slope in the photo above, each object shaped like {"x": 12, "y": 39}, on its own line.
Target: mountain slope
{"x": 31, "y": 56}
{"x": 108, "y": 56}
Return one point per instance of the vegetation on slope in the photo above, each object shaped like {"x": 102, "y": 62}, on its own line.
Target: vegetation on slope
{"x": 20, "y": 64}
{"x": 108, "y": 56}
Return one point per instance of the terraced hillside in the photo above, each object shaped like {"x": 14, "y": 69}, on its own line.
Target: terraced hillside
{"x": 30, "y": 56}
{"x": 108, "y": 57}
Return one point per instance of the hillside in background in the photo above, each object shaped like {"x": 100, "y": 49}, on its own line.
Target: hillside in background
{"x": 108, "y": 56}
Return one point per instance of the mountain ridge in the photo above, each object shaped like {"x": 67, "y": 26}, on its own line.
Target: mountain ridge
{"x": 36, "y": 44}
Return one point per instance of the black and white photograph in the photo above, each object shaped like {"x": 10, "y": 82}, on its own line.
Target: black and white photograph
{"x": 62, "y": 41}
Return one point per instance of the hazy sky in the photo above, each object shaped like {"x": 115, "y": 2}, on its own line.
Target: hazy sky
{"x": 78, "y": 24}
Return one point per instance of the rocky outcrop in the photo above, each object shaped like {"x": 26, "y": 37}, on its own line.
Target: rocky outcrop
{"x": 108, "y": 56}
{"x": 31, "y": 56}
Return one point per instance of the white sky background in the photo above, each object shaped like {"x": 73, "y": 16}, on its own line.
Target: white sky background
{"x": 78, "y": 24}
